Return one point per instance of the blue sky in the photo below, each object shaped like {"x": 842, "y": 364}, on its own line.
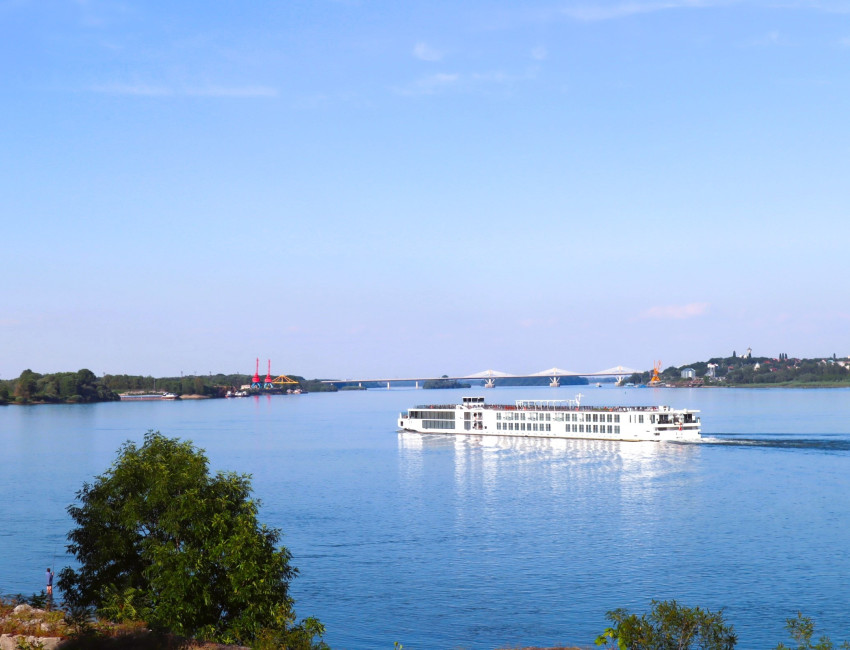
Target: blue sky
{"x": 356, "y": 188}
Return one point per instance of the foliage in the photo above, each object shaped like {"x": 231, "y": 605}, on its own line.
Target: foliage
{"x": 184, "y": 385}
{"x": 760, "y": 370}
{"x": 316, "y": 386}
{"x": 802, "y": 629}
{"x": 78, "y": 618}
{"x": 80, "y": 386}
{"x": 668, "y": 626}
{"x": 157, "y": 536}
{"x": 122, "y": 605}
{"x": 444, "y": 382}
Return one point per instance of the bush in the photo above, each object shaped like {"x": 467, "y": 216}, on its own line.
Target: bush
{"x": 158, "y": 538}
{"x": 668, "y": 625}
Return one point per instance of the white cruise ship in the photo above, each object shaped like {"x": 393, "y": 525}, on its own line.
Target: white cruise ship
{"x": 554, "y": 419}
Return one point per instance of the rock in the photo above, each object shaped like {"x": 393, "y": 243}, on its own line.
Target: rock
{"x": 10, "y": 641}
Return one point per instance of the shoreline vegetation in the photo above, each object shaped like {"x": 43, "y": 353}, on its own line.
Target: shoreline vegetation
{"x": 37, "y": 623}
{"x": 84, "y": 387}
{"x": 754, "y": 372}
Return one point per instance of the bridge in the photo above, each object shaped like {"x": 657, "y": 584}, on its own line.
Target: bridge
{"x": 490, "y": 376}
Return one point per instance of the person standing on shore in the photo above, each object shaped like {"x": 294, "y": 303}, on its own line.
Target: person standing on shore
{"x": 49, "y": 577}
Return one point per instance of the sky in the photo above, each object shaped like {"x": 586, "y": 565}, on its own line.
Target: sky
{"x": 358, "y": 188}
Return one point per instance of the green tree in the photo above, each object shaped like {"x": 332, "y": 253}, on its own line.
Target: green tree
{"x": 802, "y": 629}
{"x": 156, "y": 533}
{"x": 668, "y": 626}
{"x": 25, "y": 387}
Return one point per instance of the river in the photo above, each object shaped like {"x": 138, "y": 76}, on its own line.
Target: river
{"x": 468, "y": 542}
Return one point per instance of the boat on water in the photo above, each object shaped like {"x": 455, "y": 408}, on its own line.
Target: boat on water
{"x": 146, "y": 397}
{"x": 554, "y": 419}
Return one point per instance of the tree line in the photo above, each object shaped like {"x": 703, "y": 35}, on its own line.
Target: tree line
{"x": 735, "y": 370}
{"x": 84, "y": 386}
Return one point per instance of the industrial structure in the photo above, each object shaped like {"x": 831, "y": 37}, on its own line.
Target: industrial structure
{"x": 269, "y": 384}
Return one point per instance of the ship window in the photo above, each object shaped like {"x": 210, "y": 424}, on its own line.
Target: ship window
{"x": 640, "y": 419}
{"x": 595, "y": 418}
{"x": 616, "y": 428}
{"x": 610, "y": 429}
{"x": 498, "y": 416}
{"x": 581, "y": 428}
{"x": 438, "y": 424}
{"x": 595, "y": 428}
{"x": 616, "y": 417}
{"x": 652, "y": 419}
{"x": 610, "y": 418}
{"x": 548, "y": 417}
{"x": 535, "y": 426}
{"x": 522, "y": 416}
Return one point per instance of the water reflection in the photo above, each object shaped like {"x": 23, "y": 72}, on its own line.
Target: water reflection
{"x": 482, "y": 466}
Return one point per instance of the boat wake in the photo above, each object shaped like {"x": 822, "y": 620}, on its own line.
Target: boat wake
{"x": 817, "y": 444}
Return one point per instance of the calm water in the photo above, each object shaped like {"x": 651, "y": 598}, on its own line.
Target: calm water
{"x": 442, "y": 542}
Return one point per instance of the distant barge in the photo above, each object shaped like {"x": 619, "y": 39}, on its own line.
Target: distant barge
{"x": 147, "y": 397}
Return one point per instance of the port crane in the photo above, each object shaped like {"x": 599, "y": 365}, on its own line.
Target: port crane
{"x": 268, "y": 382}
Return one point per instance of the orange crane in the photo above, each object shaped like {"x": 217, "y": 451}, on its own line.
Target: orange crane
{"x": 656, "y": 366}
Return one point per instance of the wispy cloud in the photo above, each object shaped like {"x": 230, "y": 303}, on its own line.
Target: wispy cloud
{"x": 528, "y": 323}
{"x": 425, "y": 52}
{"x": 141, "y": 90}
{"x": 539, "y": 53}
{"x": 148, "y": 90}
{"x": 430, "y": 85}
{"x": 232, "y": 91}
{"x": 675, "y": 312}
{"x": 442, "y": 82}
{"x": 766, "y": 40}
{"x": 595, "y": 12}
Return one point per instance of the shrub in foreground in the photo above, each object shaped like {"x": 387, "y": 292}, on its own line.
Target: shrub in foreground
{"x": 160, "y": 539}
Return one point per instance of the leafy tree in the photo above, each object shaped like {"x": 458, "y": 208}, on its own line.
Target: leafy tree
{"x": 157, "y": 534}
{"x": 668, "y": 626}
{"x": 802, "y": 629}
{"x": 26, "y": 386}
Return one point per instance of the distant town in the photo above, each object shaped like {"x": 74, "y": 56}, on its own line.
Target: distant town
{"x": 83, "y": 386}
